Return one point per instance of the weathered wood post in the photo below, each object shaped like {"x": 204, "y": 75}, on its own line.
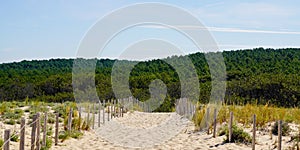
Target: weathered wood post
{"x": 207, "y": 119}
{"x": 45, "y": 129}
{"x": 254, "y": 132}
{"x": 119, "y": 108}
{"x": 115, "y": 108}
{"x": 99, "y": 115}
{"x": 122, "y": 111}
{"x": 22, "y": 134}
{"x": 230, "y": 127}
{"x": 33, "y": 131}
{"x": 79, "y": 115}
{"x": 215, "y": 122}
{"x": 70, "y": 120}
{"x": 38, "y": 131}
{"x": 56, "y": 128}
{"x": 88, "y": 115}
{"x": 279, "y": 134}
{"x": 94, "y": 109}
{"x": 108, "y": 111}
{"x": 6, "y": 139}
{"x": 111, "y": 109}
{"x": 103, "y": 111}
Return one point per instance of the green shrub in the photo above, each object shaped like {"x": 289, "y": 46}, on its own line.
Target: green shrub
{"x": 11, "y": 115}
{"x": 285, "y": 128}
{"x": 60, "y": 109}
{"x": 63, "y": 135}
{"x": 50, "y": 131}
{"x": 14, "y": 137}
{"x": 76, "y": 134}
{"x": 51, "y": 120}
{"x": 67, "y": 134}
{"x": 48, "y": 144}
{"x": 10, "y": 122}
{"x": 238, "y": 134}
{"x": 20, "y": 104}
{"x": 1, "y": 142}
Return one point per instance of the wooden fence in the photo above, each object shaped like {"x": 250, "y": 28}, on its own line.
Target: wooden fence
{"x": 112, "y": 111}
{"x": 115, "y": 108}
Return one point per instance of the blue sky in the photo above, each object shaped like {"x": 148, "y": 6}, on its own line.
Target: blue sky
{"x": 47, "y": 29}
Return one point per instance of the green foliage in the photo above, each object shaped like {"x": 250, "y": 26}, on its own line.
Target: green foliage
{"x": 13, "y": 114}
{"x": 285, "y": 128}
{"x": 1, "y": 142}
{"x": 48, "y": 144}
{"x": 49, "y": 131}
{"x": 64, "y": 135}
{"x": 10, "y": 122}
{"x": 238, "y": 134}
{"x": 51, "y": 118}
{"x": 14, "y": 137}
{"x": 199, "y": 115}
{"x": 260, "y": 76}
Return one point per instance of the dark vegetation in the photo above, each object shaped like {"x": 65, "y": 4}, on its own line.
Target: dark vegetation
{"x": 257, "y": 76}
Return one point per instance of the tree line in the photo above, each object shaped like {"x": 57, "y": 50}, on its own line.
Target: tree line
{"x": 261, "y": 76}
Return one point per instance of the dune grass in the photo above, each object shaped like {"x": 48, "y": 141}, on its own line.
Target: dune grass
{"x": 243, "y": 114}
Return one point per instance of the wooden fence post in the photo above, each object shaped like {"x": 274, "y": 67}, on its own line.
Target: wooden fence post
{"x": 279, "y": 134}
{"x": 115, "y": 108}
{"x": 33, "y": 130}
{"x": 108, "y": 111}
{"x": 207, "y": 119}
{"x": 38, "y": 131}
{"x": 122, "y": 111}
{"x": 93, "y": 127}
{"x": 103, "y": 111}
{"x": 6, "y": 139}
{"x": 45, "y": 129}
{"x": 215, "y": 122}
{"x": 99, "y": 115}
{"x": 111, "y": 108}
{"x": 88, "y": 115}
{"x": 254, "y": 132}
{"x": 79, "y": 118}
{"x": 230, "y": 127}
{"x": 22, "y": 134}
{"x": 56, "y": 129}
{"x": 70, "y": 120}
{"x": 119, "y": 108}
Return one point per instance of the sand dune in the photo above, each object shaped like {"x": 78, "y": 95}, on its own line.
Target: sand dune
{"x": 139, "y": 130}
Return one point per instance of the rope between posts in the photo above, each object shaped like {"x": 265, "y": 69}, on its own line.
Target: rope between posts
{"x": 18, "y": 132}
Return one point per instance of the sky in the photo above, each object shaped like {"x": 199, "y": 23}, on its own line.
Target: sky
{"x": 34, "y": 29}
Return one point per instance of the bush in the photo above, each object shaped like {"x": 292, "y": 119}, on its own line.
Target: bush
{"x": 14, "y": 137}
{"x": 1, "y": 142}
{"x": 48, "y": 144}
{"x": 51, "y": 118}
{"x": 50, "y": 131}
{"x": 76, "y": 134}
{"x": 10, "y": 122}
{"x": 64, "y": 135}
{"x": 285, "y": 128}
{"x": 67, "y": 134}
{"x": 238, "y": 135}
{"x": 198, "y": 117}
{"x": 11, "y": 115}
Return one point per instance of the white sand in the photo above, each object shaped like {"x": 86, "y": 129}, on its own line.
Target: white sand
{"x": 139, "y": 130}
{"x": 158, "y": 131}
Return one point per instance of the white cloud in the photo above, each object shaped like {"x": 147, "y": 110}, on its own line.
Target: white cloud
{"x": 222, "y": 29}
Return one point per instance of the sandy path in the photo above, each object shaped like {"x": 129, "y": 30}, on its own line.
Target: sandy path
{"x": 148, "y": 131}
{"x": 151, "y": 131}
